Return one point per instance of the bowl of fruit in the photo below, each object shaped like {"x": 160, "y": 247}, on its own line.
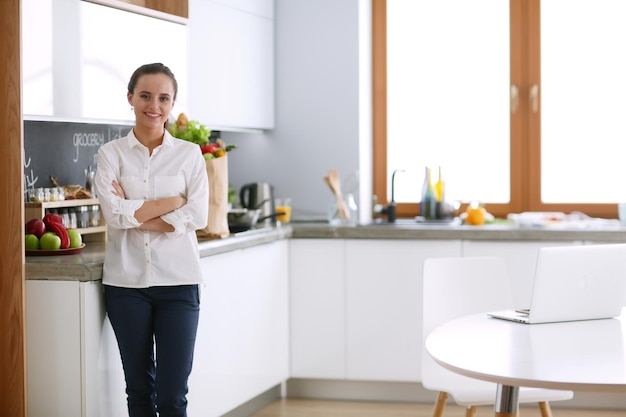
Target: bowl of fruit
{"x": 49, "y": 237}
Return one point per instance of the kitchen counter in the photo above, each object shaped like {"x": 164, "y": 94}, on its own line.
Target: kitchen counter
{"x": 410, "y": 229}
{"x": 87, "y": 265}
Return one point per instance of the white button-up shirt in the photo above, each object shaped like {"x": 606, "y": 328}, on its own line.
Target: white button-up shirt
{"x": 141, "y": 259}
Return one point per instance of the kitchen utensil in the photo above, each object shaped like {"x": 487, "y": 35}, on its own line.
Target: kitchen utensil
{"x": 240, "y": 220}
{"x": 259, "y": 195}
{"x": 334, "y": 183}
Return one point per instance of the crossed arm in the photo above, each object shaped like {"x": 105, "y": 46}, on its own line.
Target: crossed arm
{"x": 149, "y": 213}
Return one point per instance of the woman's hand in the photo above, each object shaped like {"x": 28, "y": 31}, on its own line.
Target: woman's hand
{"x": 118, "y": 190}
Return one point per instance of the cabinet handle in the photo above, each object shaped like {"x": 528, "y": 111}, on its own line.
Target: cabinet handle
{"x": 534, "y": 98}
{"x": 514, "y": 98}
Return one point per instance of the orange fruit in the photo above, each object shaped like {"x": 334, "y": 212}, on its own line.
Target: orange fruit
{"x": 475, "y": 216}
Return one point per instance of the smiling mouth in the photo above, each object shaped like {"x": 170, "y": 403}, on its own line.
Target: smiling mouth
{"x": 152, "y": 114}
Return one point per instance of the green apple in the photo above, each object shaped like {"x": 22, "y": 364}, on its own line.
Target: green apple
{"x": 76, "y": 240}
{"x": 31, "y": 242}
{"x": 50, "y": 241}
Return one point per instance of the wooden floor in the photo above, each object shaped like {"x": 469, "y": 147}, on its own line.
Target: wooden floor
{"x": 319, "y": 408}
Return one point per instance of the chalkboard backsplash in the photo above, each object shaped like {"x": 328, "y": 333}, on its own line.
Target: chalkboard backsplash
{"x": 63, "y": 150}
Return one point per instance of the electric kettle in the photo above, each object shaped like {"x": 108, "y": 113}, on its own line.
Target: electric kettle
{"x": 259, "y": 195}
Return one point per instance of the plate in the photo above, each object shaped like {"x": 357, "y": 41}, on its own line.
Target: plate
{"x": 43, "y": 252}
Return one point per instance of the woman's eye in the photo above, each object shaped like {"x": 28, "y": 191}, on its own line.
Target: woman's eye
{"x": 144, "y": 96}
{"x": 164, "y": 99}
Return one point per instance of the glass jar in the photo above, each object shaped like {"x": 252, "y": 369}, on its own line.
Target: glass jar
{"x": 46, "y": 194}
{"x": 66, "y": 218}
{"x": 38, "y": 195}
{"x": 94, "y": 216}
{"x": 54, "y": 194}
{"x": 73, "y": 221}
{"x": 82, "y": 216}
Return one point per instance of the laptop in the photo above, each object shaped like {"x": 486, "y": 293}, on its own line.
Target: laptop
{"x": 573, "y": 283}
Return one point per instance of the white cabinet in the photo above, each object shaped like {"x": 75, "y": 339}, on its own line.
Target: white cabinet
{"x": 76, "y": 62}
{"x": 232, "y": 63}
{"x": 242, "y": 347}
{"x": 53, "y": 349}
{"x": 317, "y": 294}
{"x": 384, "y": 306}
{"x": 520, "y": 258}
{"x": 242, "y": 342}
{"x": 73, "y": 370}
{"x": 356, "y": 307}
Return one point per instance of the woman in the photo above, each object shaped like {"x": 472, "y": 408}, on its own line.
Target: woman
{"x": 153, "y": 190}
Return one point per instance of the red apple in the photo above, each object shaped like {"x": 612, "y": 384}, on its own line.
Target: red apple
{"x": 35, "y": 227}
{"x": 209, "y": 148}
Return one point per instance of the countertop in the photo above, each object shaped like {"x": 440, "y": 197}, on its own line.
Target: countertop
{"x": 410, "y": 229}
{"x": 87, "y": 266}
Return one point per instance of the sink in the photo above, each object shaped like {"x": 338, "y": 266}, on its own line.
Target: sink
{"x": 417, "y": 222}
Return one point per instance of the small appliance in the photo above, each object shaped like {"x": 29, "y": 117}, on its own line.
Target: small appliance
{"x": 259, "y": 195}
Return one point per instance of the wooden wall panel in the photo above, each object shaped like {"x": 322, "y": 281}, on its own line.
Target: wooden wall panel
{"x": 12, "y": 313}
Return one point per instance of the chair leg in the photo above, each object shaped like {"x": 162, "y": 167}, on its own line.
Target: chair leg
{"x": 442, "y": 397}
{"x": 470, "y": 411}
{"x": 545, "y": 409}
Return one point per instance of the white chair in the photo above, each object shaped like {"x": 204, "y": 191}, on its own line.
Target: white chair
{"x": 456, "y": 287}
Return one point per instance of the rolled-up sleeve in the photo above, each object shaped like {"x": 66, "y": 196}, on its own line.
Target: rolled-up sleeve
{"x": 118, "y": 213}
{"x": 193, "y": 215}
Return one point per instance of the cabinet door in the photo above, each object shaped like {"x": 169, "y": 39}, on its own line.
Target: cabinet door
{"x": 77, "y": 63}
{"x": 384, "y": 311}
{"x": 317, "y": 313}
{"x": 242, "y": 342}
{"x": 231, "y": 66}
{"x": 520, "y": 258}
{"x": 53, "y": 350}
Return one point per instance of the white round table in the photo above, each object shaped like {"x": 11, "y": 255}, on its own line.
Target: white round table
{"x": 582, "y": 355}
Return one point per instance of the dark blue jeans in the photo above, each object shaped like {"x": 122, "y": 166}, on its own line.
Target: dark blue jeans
{"x": 142, "y": 318}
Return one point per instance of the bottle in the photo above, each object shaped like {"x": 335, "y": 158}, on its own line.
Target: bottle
{"x": 439, "y": 193}
{"x": 427, "y": 205}
{"x": 439, "y": 187}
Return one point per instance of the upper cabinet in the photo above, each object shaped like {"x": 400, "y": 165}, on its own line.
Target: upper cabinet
{"x": 231, "y": 61}
{"x": 78, "y": 56}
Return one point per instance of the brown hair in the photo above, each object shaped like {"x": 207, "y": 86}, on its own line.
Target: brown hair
{"x": 156, "y": 68}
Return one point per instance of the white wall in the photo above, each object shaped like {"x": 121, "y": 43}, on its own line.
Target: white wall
{"x": 323, "y": 106}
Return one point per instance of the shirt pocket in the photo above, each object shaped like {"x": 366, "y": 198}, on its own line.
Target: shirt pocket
{"x": 169, "y": 186}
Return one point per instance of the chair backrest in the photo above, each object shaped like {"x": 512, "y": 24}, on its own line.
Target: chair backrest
{"x": 456, "y": 287}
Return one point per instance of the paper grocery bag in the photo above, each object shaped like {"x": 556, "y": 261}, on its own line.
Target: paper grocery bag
{"x": 217, "y": 227}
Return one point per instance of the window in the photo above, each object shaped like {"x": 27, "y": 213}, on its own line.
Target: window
{"x": 521, "y": 113}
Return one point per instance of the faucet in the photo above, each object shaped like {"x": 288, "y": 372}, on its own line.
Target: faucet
{"x": 390, "y": 210}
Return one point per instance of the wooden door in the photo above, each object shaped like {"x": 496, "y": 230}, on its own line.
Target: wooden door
{"x": 12, "y": 317}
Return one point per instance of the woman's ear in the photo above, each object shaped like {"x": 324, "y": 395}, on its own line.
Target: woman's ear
{"x": 129, "y": 96}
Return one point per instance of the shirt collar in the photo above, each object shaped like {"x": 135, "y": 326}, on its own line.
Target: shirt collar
{"x": 168, "y": 139}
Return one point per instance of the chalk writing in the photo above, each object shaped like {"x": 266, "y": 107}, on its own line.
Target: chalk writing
{"x": 63, "y": 150}
{"x": 87, "y": 140}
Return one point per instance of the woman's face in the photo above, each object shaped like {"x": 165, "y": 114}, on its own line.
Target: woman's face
{"x": 153, "y": 99}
